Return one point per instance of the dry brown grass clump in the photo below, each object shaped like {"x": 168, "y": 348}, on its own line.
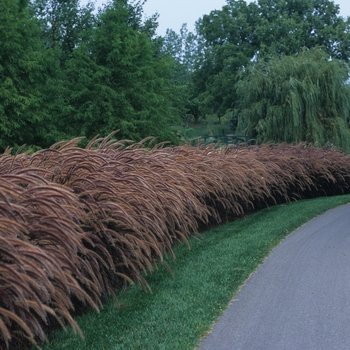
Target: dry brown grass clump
{"x": 75, "y": 224}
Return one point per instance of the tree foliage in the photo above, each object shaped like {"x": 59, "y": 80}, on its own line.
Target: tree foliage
{"x": 241, "y": 33}
{"x": 286, "y": 27}
{"x": 64, "y": 24}
{"x": 184, "y": 49}
{"x": 304, "y": 97}
{"x": 22, "y": 68}
{"x": 67, "y": 71}
{"x": 118, "y": 80}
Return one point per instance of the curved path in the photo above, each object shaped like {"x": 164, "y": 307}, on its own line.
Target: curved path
{"x": 299, "y": 298}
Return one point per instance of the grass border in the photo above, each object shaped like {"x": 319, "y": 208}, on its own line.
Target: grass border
{"x": 182, "y": 309}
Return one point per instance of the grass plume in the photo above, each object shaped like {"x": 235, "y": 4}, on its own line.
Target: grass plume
{"x": 77, "y": 224}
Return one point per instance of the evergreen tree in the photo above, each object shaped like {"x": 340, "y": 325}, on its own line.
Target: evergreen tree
{"x": 22, "y": 71}
{"x": 118, "y": 79}
{"x": 64, "y": 24}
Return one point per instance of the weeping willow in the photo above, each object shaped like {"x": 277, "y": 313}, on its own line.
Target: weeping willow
{"x": 296, "y": 98}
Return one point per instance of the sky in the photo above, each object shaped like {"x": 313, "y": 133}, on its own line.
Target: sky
{"x": 172, "y": 14}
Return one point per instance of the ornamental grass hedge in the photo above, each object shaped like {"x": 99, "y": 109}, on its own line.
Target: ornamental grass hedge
{"x": 77, "y": 224}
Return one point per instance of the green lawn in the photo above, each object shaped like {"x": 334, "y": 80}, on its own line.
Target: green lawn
{"x": 182, "y": 309}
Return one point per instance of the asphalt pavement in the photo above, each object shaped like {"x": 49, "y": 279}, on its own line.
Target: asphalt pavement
{"x": 299, "y": 298}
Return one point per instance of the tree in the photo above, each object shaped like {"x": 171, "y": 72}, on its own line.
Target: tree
{"x": 304, "y": 97}
{"x": 64, "y": 24}
{"x": 22, "y": 71}
{"x": 215, "y": 79}
{"x": 184, "y": 50}
{"x": 229, "y": 44}
{"x": 286, "y": 27}
{"x": 118, "y": 79}
{"x": 241, "y": 33}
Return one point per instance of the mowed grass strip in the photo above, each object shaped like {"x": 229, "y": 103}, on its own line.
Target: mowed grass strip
{"x": 183, "y": 308}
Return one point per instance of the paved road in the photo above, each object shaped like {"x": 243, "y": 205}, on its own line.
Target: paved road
{"x": 299, "y": 298}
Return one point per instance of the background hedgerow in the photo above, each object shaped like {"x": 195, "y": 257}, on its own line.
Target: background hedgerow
{"x": 76, "y": 224}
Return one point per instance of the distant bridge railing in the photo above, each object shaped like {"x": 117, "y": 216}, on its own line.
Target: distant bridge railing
{"x": 221, "y": 140}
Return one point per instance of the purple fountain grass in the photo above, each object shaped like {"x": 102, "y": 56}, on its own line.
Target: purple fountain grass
{"x": 76, "y": 224}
